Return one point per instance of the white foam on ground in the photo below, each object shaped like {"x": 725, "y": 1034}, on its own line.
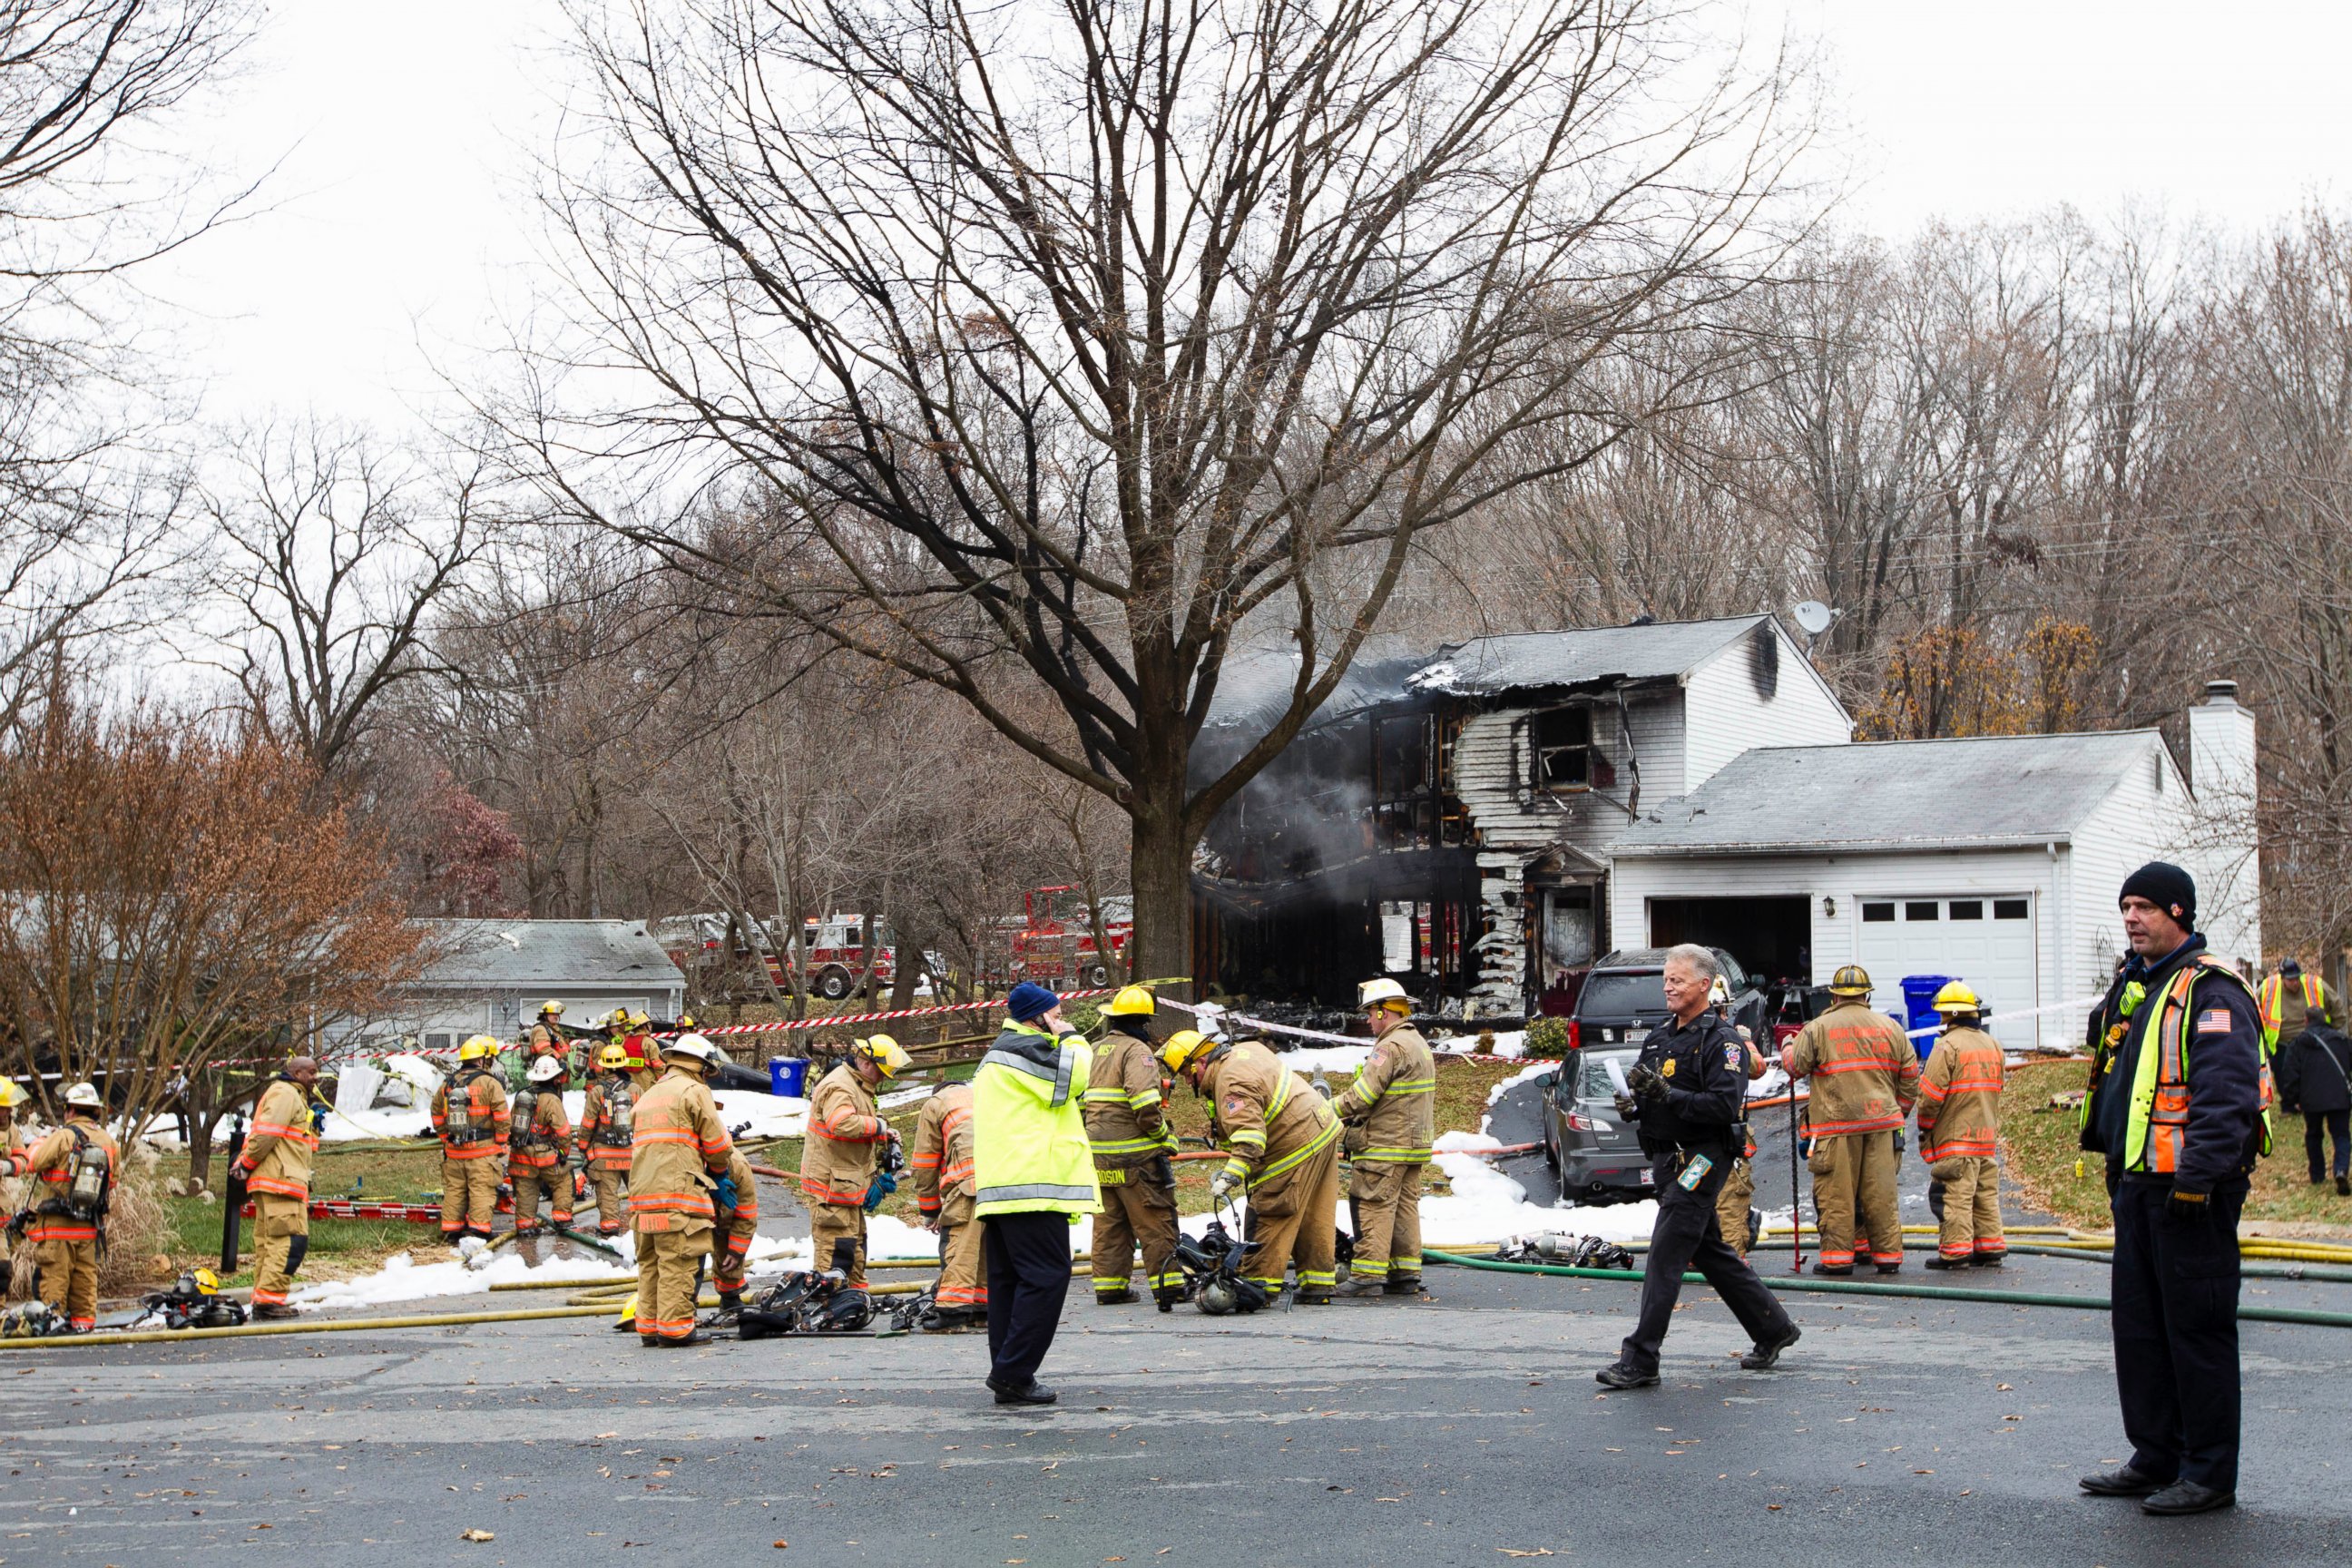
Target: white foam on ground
{"x": 402, "y": 1278}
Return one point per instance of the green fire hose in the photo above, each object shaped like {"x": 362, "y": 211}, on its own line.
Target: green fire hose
{"x": 1908, "y": 1292}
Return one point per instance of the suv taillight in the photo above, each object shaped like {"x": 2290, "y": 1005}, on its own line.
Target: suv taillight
{"x": 1575, "y": 1036}
{"x": 1580, "y": 1122}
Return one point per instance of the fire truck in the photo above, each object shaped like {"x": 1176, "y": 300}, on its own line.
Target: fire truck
{"x": 835, "y": 951}
{"x": 832, "y": 949}
{"x": 1055, "y": 943}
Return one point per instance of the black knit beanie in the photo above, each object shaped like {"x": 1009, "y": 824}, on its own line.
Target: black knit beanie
{"x": 2166, "y": 886}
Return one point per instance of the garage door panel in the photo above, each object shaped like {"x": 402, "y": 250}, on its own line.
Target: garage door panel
{"x": 1991, "y": 947}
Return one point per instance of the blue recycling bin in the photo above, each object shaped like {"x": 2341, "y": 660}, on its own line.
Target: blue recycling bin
{"x": 788, "y": 1077}
{"x": 1919, "y": 1002}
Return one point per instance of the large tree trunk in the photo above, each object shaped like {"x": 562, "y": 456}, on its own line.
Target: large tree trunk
{"x": 1159, "y": 865}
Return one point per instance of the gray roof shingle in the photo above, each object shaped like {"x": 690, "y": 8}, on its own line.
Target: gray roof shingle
{"x": 1978, "y": 792}
{"x": 1253, "y": 689}
{"x": 496, "y": 953}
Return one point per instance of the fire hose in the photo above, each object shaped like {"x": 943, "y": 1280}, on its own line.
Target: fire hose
{"x": 1864, "y": 1288}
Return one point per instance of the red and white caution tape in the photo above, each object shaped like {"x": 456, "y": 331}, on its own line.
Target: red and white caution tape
{"x": 785, "y": 1025}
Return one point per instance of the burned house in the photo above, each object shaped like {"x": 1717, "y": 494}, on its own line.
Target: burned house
{"x": 1482, "y": 823}
{"x": 1452, "y": 818}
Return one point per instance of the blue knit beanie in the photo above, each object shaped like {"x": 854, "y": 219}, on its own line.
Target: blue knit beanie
{"x": 1030, "y": 1002}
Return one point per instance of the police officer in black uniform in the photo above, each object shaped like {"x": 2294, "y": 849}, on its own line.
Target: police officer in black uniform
{"x": 2181, "y": 1150}
{"x": 1688, "y": 1096}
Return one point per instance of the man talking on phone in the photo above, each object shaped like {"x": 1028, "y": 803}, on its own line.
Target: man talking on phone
{"x": 1687, "y": 1096}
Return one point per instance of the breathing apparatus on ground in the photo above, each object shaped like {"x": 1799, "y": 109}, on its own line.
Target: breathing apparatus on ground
{"x": 195, "y": 1302}
{"x": 811, "y": 1301}
{"x": 1576, "y": 1251}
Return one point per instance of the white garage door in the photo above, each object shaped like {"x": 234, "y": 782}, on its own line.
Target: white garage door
{"x": 1985, "y": 940}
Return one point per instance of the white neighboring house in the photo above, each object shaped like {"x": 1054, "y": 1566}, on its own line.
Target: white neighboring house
{"x": 1996, "y": 859}
{"x": 492, "y": 975}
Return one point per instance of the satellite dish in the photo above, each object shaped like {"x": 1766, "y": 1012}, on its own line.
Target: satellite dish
{"x": 1813, "y": 617}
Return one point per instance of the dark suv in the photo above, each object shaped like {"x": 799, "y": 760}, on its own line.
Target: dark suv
{"x": 1596, "y": 1151}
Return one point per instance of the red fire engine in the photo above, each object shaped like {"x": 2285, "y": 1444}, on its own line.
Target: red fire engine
{"x": 1056, "y": 943}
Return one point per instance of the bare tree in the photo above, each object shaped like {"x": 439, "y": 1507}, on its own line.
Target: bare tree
{"x": 1064, "y": 343}
{"x": 94, "y": 180}
{"x": 337, "y": 553}
{"x": 176, "y": 900}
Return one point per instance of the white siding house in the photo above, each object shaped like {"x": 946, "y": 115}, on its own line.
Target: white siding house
{"x": 490, "y": 977}
{"x": 1994, "y": 860}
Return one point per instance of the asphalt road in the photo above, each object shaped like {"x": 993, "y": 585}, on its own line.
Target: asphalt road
{"x": 1456, "y": 1430}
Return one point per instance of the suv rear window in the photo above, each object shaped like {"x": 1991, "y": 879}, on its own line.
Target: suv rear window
{"x": 1624, "y": 995}
{"x": 1592, "y": 1080}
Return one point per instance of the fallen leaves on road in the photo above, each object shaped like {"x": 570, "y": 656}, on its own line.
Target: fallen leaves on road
{"x": 1532, "y": 1552}
{"x": 476, "y": 1535}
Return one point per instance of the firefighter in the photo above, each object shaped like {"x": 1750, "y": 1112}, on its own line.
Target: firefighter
{"x": 2179, "y": 1102}
{"x": 547, "y": 1037}
{"x": 75, "y": 1169}
{"x": 12, "y": 1138}
{"x": 1282, "y": 1144}
{"x": 470, "y": 1115}
{"x": 605, "y": 1135}
{"x": 736, "y": 1220}
{"x": 1127, "y": 1125}
{"x": 646, "y": 1059}
{"x": 1394, "y": 1100}
{"x": 941, "y": 1161}
{"x": 539, "y": 1151}
{"x": 680, "y": 1151}
{"x": 276, "y": 1166}
{"x": 2291, "y": 1002}
{"x": 1864, "y": 1076}
{"x": 1734, "y": 1210}
{"x": 1960, "y": 1134}
{"x": 844, "y": 1148}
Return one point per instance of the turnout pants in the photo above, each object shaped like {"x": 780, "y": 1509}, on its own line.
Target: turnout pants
{"x": 1028, "y": 1280}
{"x": 1731, "y": 1207}
{"x": 1139, "y": 1215}
{"x": 70, "y": 1278}
{"x": 1292, "y": 1220}
{"x": 2176, "y": 1327}
{"x": 612, "y": 1206}
{"x": 1969, "y": 1214}
{"x": 1851, "y": 1171}
{"x": 2318, "y": 1125}
{"x": 281, "y": 1235}
{"x": 529, "y": 1180}
{"x": 1387, "y": 1197}
{"x": 962, "y": 1259}
{"x": 730, "y": 1251}
{"x": 1686, "y": 1236}
{"x": 670, "y": 1270}
{"x": 830, "y": 1222}
{"x": 470, "y": 1196}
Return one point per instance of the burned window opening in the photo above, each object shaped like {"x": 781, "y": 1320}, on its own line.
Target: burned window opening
{"x": 1566, "y": 760}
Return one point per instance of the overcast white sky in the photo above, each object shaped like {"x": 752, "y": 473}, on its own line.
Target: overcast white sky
{"x": 402, "y": 225}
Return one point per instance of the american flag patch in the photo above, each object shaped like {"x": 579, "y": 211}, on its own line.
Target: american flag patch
{"x": 2213, "y": 1021}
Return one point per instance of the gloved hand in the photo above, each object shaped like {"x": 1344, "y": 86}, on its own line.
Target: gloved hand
{"x": 2186, "y": 1205}
{"x": 884, "y": 1185}
{"x": 1647, "y": 1083}
{"x": 1626, "y": 1104}
{"x": 725, "y": 1192}
{"x": 1223, "y": 1185}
